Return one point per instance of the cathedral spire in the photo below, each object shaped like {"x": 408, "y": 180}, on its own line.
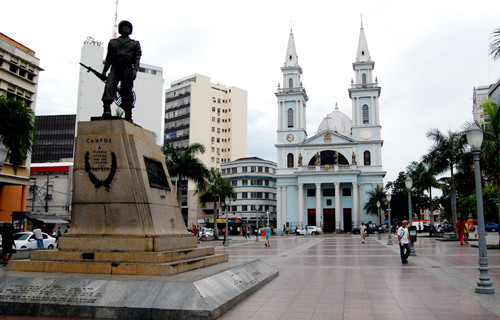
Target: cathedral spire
{"x": 363, "y": 54}
{"x": 291, "y": 59}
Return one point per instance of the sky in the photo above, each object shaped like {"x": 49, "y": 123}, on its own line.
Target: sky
{"x": 429, "y": 56}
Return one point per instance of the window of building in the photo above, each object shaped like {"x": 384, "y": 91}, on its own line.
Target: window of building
{"x": 244, "y": 182}
{"x": 234, "y": 170}
{"x": 244, "y": 207}
{"x": 311, "y": 192}
{"x": 244, "y": 195}
{"x": 366, "y": 118}
{"x": 346, "y": 192}
{"x": 328, "y": 192}
{"x": 234, "y": 183}
{"x": 367, "y": 158}
{"x": 290, "y": 83}
{"x": 328, "y": 202}
{"x": 244, "y": 169}
{"x": 213, "y": 129}
{"x": 290, "y": 118}
{"x": 289, "y": 160}
{"x": 363, "y": 78}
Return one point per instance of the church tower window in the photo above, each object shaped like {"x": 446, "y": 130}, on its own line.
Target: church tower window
{"x": 363, "y": 78}
{"x": 290, "y": 118}
{"x": 366, "y": 118}
{"x": 289, "y": 160}
{"x": 290, "y": 83}
{"x": 367, "y": 158}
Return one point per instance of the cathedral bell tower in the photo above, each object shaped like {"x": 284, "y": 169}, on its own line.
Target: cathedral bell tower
{"x": 292, "y": 99}
{"x": 364, "y": 93}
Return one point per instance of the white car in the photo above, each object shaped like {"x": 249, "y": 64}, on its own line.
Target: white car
{"x": 27, "y": 241}
{"x": 206, "y": 232}
{"x": 310, "y": 230}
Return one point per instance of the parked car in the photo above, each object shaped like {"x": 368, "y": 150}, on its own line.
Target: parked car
{"x": 27, "y": 241}
{"x": 370, "y": 228}
{"x": 491, "y": 226}
{"x": 310, "y": 229}
{"x": 206, "y": 232}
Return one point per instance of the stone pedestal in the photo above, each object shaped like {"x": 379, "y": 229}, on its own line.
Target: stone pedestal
{"x": 125, "y": 218}
{"x": 122, "y": 195}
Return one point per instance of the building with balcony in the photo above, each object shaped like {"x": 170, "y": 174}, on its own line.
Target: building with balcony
{"x": 19, "y": 71}
{"x": 324, "y": 179}
{"x": 214, "y": 115}
{"x": 254, "y": 183}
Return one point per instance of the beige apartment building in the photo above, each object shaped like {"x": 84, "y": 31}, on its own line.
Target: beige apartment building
{"x": 214, "y": 115}
{"x": 19, "y": 70}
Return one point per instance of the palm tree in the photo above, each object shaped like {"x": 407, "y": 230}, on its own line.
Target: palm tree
{"x": 495, "y": 44}
{"x": 184, "y": 164}
{"x": 490, "y": 152}
{"x": 376, "y": 195}
{"x": 214, "y": 190}
{"x": 17, "y": 129}
{"x": 423, "y": 180}
{"x": 444, "y": 155}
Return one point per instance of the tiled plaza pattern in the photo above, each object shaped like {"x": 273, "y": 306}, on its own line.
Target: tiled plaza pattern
{"x": 337, "y": 277}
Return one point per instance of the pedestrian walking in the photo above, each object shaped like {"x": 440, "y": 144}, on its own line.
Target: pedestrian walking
{"x": 268, "y": 236}
{"x": 466, "y": 233}
{"x": 39, "y": 237}
{"x": 362, "y": 230}
{"x": 404, "y": 242}
{"x": 306, "y": 234}
{"x": 461, "y": 230}
{"x": 7, "y": 243}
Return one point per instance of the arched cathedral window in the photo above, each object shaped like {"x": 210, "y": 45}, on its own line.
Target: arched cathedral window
{"x": 290, "y": 118}
{"x": 290, "y": 83}
{"x": 366, "y": 118}
{"x": 367, "y": 158}
{"x": 363, "y": 78}
{"x": 289, "y": 160}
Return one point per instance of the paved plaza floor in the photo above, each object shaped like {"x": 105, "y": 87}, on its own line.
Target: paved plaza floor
{"x": 337, "y": 277}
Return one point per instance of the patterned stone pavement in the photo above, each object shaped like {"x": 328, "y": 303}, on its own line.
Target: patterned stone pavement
{"x": 338, "y": 277}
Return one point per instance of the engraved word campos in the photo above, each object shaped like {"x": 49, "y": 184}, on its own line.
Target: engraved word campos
{"x": 97, "y": 161}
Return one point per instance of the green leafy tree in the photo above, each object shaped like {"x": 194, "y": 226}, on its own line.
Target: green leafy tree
{"x": 444, "y": 155}
{"x": 490, "y": 151}
{"x": 215, "y": 189}
{"x": 17, "y": 129}
{"x": 376, "y": 195}
{"x": 184, "y": 165}
{"x": 423, "y": 181}
{"x": 495, "y": 44}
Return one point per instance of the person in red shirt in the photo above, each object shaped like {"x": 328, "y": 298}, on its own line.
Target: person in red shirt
{"x": 461, "y": 229}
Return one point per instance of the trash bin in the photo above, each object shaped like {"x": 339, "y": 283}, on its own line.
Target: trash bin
{"x": 413, "y": 233}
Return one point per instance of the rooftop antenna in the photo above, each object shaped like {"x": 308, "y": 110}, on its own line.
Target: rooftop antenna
{"x": 115, "y": 27}
{"x": 361, "y": 15}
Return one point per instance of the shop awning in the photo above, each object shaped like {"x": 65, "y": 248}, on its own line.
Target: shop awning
{"x": 47, "y": 219}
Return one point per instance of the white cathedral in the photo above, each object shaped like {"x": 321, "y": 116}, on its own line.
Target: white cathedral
{"x": 324, "y": 180}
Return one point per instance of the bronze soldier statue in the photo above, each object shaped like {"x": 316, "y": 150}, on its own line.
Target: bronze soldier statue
{"x": 123, "y": 58}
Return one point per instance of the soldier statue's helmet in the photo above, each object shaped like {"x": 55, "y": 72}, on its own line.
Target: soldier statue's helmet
{"x": 122, "y": 24}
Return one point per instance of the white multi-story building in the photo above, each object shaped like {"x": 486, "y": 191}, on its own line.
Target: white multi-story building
{"x": 254, "y": 183}
{"x": 148, "y": 88}
{"x": 319, "y": 180}
{"x": 480, "y": 95}
{"x": 214, "y": 115}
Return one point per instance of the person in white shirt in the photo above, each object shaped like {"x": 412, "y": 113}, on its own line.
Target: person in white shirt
{"x": 38, "y": 237}
{"x": 404, "y": 242}
{"x": 362, "y": 230}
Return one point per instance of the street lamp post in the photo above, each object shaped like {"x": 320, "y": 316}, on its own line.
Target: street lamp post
{"x": 409, "y": 184}
{"x": 257, "y": 226}
{"x": 475, "y": 139}
{"x": 380, "y": 222}
{"x": 389, "y": 197}
{"x": 227, "y": 201}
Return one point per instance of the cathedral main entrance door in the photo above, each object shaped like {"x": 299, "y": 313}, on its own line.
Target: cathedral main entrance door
{"x": 311, "y": 217}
